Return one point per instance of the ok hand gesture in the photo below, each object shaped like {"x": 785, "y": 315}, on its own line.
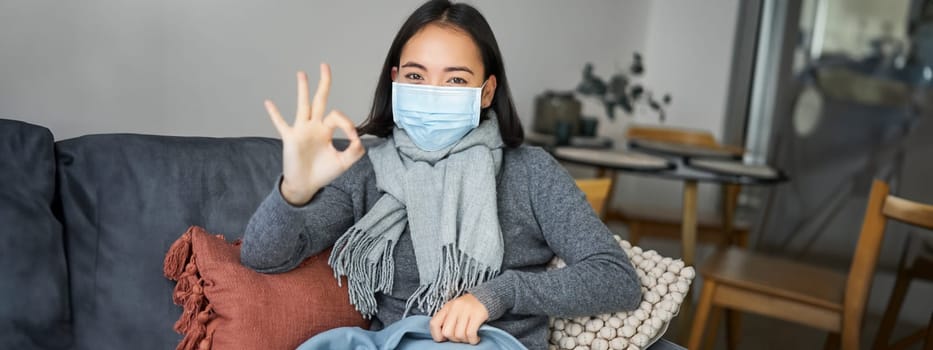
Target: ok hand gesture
{"x": 309, "y": 159}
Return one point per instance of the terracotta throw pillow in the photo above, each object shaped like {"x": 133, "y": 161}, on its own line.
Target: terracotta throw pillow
{"x": 229, "y": 306}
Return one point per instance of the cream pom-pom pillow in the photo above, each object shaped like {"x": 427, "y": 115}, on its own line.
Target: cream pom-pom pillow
{"x": 664, "y": 283}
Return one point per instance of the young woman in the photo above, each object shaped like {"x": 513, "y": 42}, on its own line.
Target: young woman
{"x": 450, "y": 216}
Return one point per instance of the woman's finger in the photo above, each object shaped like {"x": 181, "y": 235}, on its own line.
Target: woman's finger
{"x": 304, "y": 105}
{"x": 449, "y": 329}
{"x": 320, "y": 96}
{"x": 437, "y": 323}
{"x": 472, "y": 330}
{"x": 337, "y": 120}
{"x": 280, "y": 124}
{"x": 353, "y": 153}
{"x": 463, "y": 321}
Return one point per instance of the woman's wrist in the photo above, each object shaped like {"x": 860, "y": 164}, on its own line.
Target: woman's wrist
{"x": 296, "y": 197}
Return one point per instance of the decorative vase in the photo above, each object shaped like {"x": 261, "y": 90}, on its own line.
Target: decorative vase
{"x": 552, "y": 107}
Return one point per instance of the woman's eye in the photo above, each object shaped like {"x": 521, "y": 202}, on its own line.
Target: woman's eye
{"x": 458, "y": 81}
{"x": 413, "y": 76}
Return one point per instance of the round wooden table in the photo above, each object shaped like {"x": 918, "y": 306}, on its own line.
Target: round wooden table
{"x": 688, "y": 164}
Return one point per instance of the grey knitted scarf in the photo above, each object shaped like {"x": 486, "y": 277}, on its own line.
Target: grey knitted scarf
{"x": 448, "y": 200}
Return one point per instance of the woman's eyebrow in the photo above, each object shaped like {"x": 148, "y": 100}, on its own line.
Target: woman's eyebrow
{"x": 458, "y": 69}
{"x": 413, "y": 65}
{"x": 446, "y": 70}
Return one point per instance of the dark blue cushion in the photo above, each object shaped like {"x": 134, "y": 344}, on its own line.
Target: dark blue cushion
{"x": 33, "y": 275}
{"x": 125, "y": 199}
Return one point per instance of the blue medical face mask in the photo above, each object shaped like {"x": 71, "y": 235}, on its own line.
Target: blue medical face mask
{"x": 435, "y": 117}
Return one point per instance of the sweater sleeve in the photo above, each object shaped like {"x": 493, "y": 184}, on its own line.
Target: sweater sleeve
{"x": 279, "y": 236}
{"x": 598, "y": 278}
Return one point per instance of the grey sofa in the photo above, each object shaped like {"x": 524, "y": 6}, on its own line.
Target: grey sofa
{"x": 85, "y": 224}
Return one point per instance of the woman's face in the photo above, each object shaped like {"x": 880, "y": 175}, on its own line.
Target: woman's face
{"x": 443, "y": 56}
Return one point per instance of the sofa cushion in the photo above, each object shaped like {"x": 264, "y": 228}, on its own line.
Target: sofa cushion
{"x": 125, "y": 199}
{"x": 33, "y": 273}
{"x": 229, "y": 306}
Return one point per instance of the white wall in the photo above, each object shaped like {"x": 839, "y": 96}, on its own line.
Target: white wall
{"x": 689, "y": 55}
{"x": 203, "y": 67}
{"x": 547, "y": 43}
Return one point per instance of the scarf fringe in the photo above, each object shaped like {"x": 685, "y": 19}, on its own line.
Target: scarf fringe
{"x": 365, "y": 278}
{"x": 458, "y": 273}
{"x": 350, "y": 258}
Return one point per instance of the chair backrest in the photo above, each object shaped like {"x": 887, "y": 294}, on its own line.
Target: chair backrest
{"x": 881, "y": 206}
{"x": 597, "y": 192}
{"x": 692, "y": 137}
{"x": 673, "y": 135}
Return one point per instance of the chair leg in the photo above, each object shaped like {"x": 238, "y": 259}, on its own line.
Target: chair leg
{"x": 729, "y": 196}
{"x": 733, "y": 324}
{"x": 733, "y": 319}
{"x": 889, "y": 320}
{"x": 713, "y": 327}
{"x": 832, "y": 342}
{"x": 928, "y": 343}
{"x": 634, "y": 233}
{"x": 741, "y": 239}
{"x": 702, "y": 313}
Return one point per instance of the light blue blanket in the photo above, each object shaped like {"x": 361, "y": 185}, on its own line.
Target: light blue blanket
{"x": 409, "y": 333}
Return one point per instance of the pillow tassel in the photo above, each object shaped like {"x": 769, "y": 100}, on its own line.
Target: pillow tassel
{"x": 195, "y": 337}
{"x": 192, "y": 338}
{"x": 208, "y": 340}
{"x": 204, "y": 342}
{"x": 185, "y": 281}
{"x": 174, "y": 263}
{"x": 193, "y": 305}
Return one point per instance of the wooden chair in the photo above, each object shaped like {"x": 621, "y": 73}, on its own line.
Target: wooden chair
{"x": 921, "y": 267}
{"x": 597, "y": 192}
{"x": 738, "y": 280}
{"x": 928, "y": 343}
{"x": 724, "y": 233}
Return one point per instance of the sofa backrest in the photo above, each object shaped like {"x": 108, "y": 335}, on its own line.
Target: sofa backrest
{"x": 34, "y": 311}
{"x": 125, "y": 198}
{"x": 85, "y": 224}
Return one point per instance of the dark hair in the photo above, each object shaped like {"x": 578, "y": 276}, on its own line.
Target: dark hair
{"x": 470, "y": 21}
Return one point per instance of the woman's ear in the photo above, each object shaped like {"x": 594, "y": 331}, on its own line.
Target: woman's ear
{"x": 394, "y": 73}
{"x": 489, "y": 91}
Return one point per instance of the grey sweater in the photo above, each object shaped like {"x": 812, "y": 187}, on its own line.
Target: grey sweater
{"x": 541, "y": 213}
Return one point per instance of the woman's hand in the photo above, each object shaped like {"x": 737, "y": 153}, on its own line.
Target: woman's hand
{"x": 309, "y": 159}
{"x": 459, "y": 320}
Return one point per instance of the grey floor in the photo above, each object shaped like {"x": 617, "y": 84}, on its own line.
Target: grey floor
{"x": 760, "y": 332}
